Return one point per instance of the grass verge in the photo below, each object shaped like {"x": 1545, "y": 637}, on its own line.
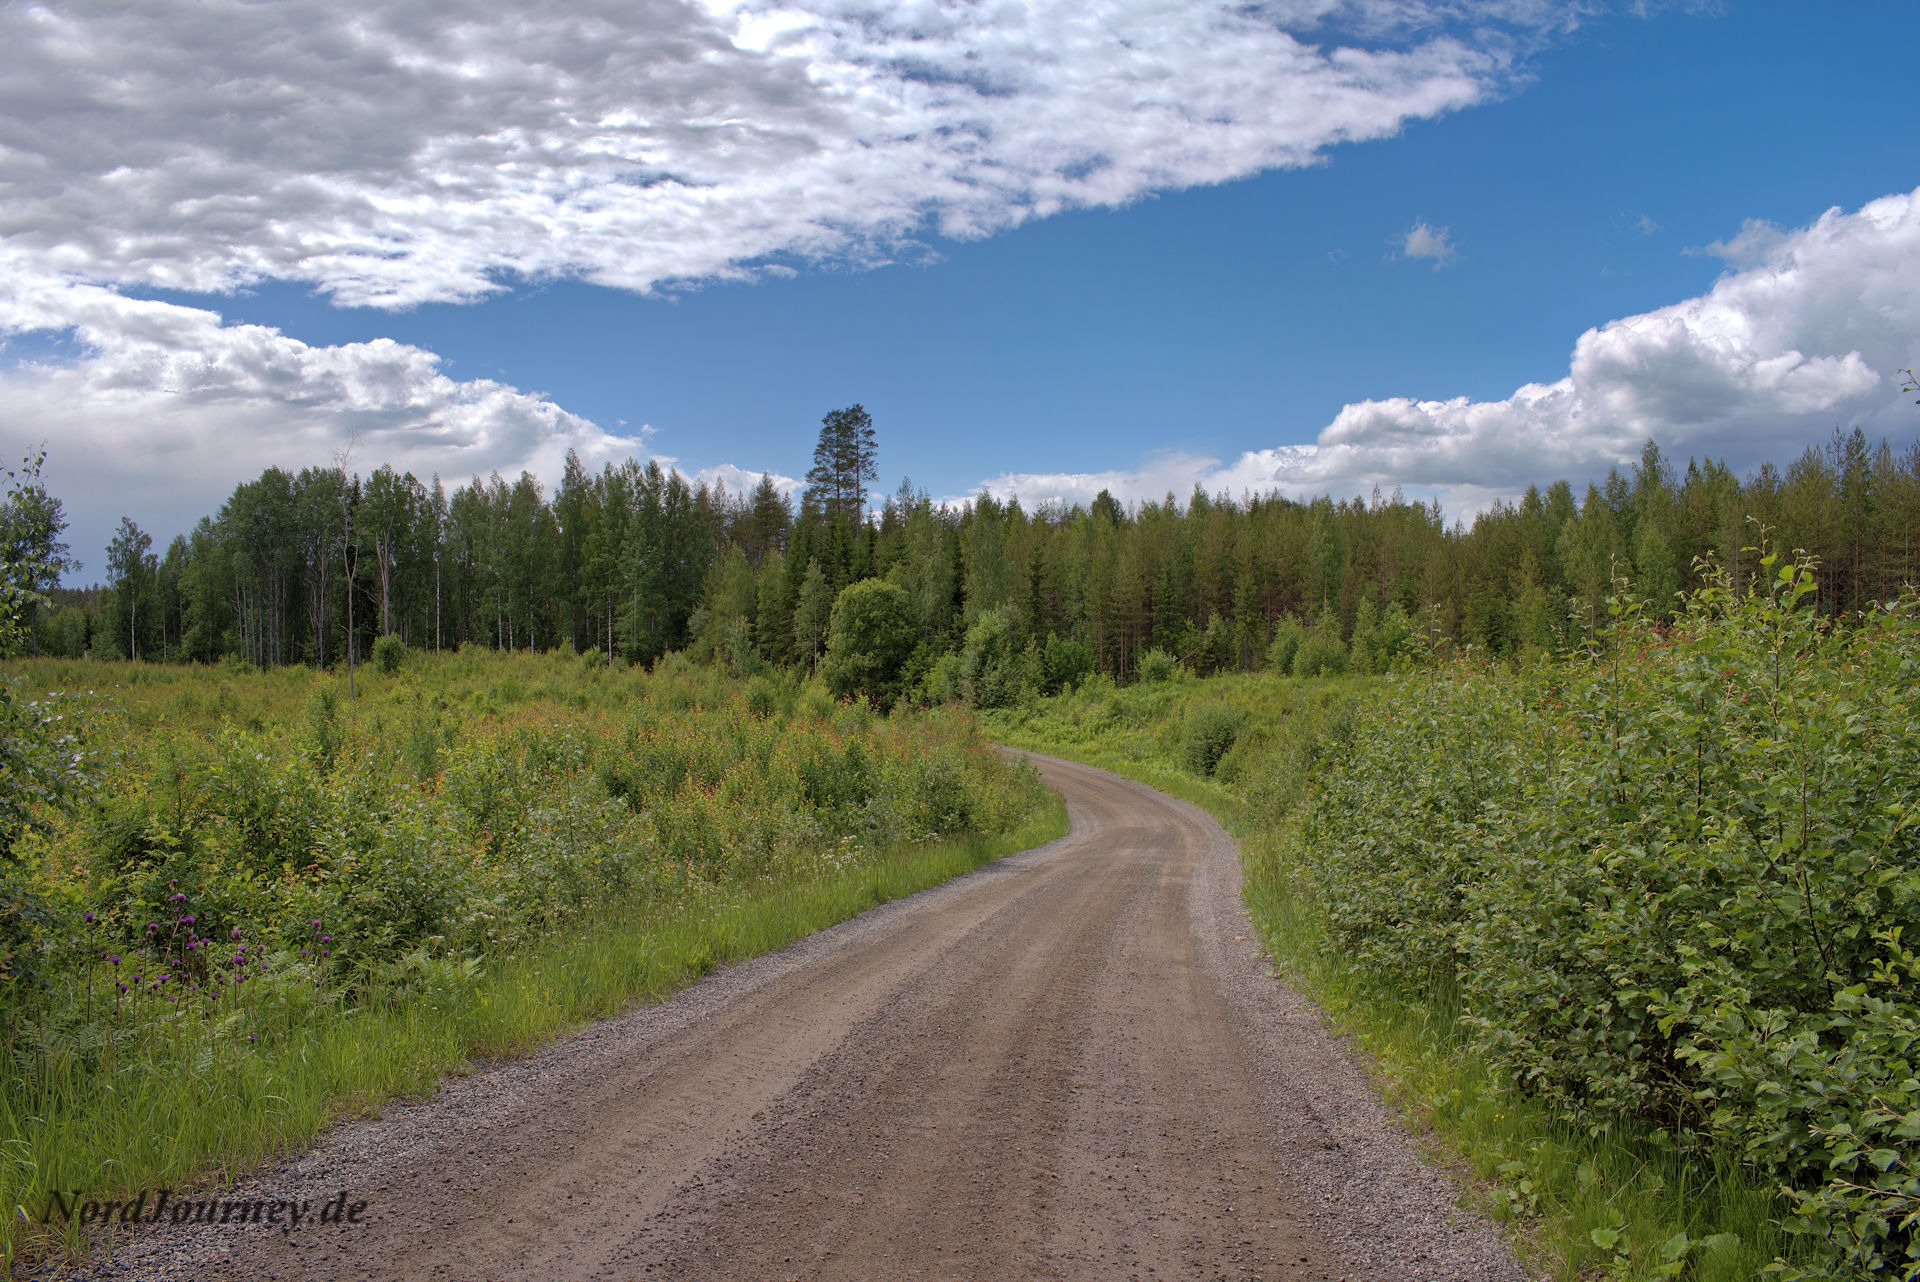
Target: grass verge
{"x": 230, "y": 1114}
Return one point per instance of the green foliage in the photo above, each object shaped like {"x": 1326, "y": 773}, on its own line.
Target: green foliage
{"x": 385, "y": 857}
{"x": 1321, "y": 652}
{"x": 1209, "y": 734}
{"x": 1065, "y": 662}
{"x": 1287, "y": 637}
{"x": 32, "y": 555}
{"x": 389, "y": 654}
{"x": 1667, "y": 884}
{"x": 995, "y": 670}
{"x": 1156, "y": 666}
{"x": 871, "y": 636}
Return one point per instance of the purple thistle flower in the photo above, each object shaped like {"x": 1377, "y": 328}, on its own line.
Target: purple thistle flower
{"x": 316, "y": 921}
{"x": 177, "y": 897}
{"x": 121, "y": 987}
{"x": 326, "y": 939}
{"x": 89, "y": 916}
{"x": 184, "y": 921}
{"x": 114, "y": 960}
{"x": 236, "y": 932}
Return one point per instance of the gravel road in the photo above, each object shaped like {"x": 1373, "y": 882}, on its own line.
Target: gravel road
{"x": 1072, "y": 1064}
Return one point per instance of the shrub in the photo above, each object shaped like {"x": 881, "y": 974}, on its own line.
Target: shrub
{"x": 1154, "y": 666}
{"x": 389, "y": 654}
{"x": 1285, "y": 644}
{"x": 1675, "y": 881}
{"x": 870, "y": 637}
{"x": 1208, "y": 736}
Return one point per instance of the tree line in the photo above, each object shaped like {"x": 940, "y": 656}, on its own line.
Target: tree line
{"x": 981, "y": 601}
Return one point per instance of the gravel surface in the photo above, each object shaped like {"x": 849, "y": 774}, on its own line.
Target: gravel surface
{"x": 1073, "y": 1063}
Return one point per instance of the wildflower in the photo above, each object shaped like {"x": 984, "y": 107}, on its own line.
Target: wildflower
{"x": 303, "y": 952}
{"x": 176, "y": 897}
{"x": 114, "y": 960}
{"x": 236, "y": 932}
{"x": 89, "y": 917}
{"x": 326, "y": 939}
{"x": 136, "y": 979}
{"x": 316, "y": 923}
{"x": 152, "y": 926}
{"x": 184, "y": 921}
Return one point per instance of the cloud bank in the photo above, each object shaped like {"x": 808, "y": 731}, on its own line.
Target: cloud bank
{"x": 390, "y": 155}
{"x": 394, "y": 155}
{"x": 1807, "y": 331}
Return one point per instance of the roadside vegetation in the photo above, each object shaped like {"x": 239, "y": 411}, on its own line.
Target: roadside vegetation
{"x": 1633, "y": 931}
{"x": 265, "y": 904}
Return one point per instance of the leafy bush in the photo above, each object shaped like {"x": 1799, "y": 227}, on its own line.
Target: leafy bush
{"x": 1208, "y": 735}
{"x": 870, "y": 637}
{"x": 1672, "y": 881}
{"x": 1287, "y": 636}
{"x": 1321, "y": 652}
{"x": 1155, "y": 666}
{"x": 389, "y": 654}
{"x": 1065, "y": 663}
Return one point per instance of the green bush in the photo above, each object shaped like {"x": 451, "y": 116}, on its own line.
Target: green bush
{"x": 1673, "y": 882}
{"x": 1155, "y": 666}
{"x": 1321, "y": 652}
{"x": 1287, "y": 636}
{"x": 868, "y": 641}
{"x": 1207, "y": 736}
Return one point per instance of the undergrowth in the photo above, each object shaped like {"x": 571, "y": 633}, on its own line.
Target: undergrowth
{"x": 278, "y": 904}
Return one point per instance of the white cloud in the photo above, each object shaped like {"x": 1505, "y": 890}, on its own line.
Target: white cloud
{"x": 741, "y": 483}
{"x": 1423, "y": 240}
{"x": 167, "y": 409}
{"x": 1808, "y": 334}
{"x": 391, "y": 155}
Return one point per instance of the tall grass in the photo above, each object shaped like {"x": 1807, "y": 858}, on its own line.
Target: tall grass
{"x": 282, "y": 905}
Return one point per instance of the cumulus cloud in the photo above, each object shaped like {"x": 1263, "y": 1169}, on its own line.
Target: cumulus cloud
{"x": 1807, "y": 333}
{"x": 741, "y": 483}
{"x": 392, "y": 155}
{"x": 389, "y": 154}
{"x": 1424, "y": 240}
{"x": 166, "y": 409}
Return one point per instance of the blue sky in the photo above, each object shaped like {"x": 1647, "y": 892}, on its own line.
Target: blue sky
{"x": 1656, "y": 182}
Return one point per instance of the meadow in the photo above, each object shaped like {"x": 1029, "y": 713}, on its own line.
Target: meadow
{"x": 269, "y": 902}
{"x": 1629, "y": 929}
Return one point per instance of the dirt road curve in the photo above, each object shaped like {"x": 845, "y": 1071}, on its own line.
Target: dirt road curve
{"x": 1071, "y": 1064}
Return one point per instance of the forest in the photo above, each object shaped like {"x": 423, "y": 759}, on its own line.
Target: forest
{"x": 994, "y": 601}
